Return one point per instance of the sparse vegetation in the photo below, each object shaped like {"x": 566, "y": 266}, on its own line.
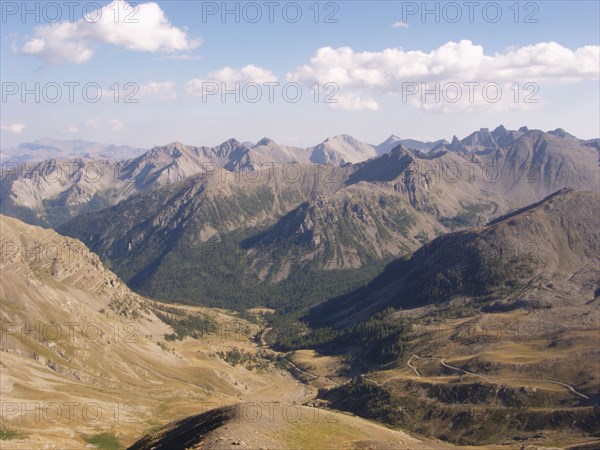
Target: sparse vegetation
{"x": 104, "y": 441}
{"x": 194, "y": 326}
{"x": 382, "y": 338}
{"x": 259, "y": 360}
{"x": 472, "y": 215}
{"x": 7, "y": 435}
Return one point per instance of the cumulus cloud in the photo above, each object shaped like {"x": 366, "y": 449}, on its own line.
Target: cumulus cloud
{"x": 388, "y": 71}
{"x": 71, "y": 129}
{"x": 400, "y": 24}
{"x": 247, "y": 74}
{"x": 16, "y": 128}
{"x": 228, "y": 76}
{"x": 353, "y": 101}
{"x": 91, "y": 123}
{"x": 164, "y": 90}
{"x": 115, "y": 124}
{"x": 462, "y": 61}
{"x": 143, "y": 27}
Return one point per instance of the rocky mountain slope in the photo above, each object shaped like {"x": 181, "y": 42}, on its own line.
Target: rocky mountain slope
{"x": 51, "y": 191}
{"x": 484, "y": 336}
{"x": 88, "y": 363}
{"x": 394, "y": 141}
{"x": 543, "y": 255}
{"x": 341, "y": 149}
{"x": 85, "y": 361}
{"x": 281, "y": 222}
{"x": 278, "y": 223}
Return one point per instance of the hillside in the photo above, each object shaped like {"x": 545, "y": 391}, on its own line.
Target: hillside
{"x": 272, "y": 229}
{"x": 394, "y": 141}
{"x": 519, "y": 166}
{"x": 249, "y": 426}
{"x": 341, "y": 150}
{"x": 540, "y": 255}
{"x": 276, "y": 229}
{"x": 67, "y": 182}
{"x": 89, "y": 362}
{"x": 484, "y": 336}
{"x": 50, "y": 192}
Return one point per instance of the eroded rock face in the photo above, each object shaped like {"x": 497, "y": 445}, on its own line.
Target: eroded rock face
{"x": 345, "y": 219}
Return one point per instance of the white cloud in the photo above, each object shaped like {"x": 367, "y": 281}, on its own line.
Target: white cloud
{"x": 165, "y": 90}
{"x": 140, "y": 28}
{"x": 115, "y": 124}
{"x": 228, "y": 76}
{"x": 459, "y": 61}
{"x": 16, "y": 128}
{"x": 353, "y": 101}
{"x": 91, "y": 124}
{"x": 364, "y": 74}
{"x": 195, "y": 87}
{"x": 71, "y": 129}
{"x": 457, "y": 97}
{"x": 400, "y": 24}
{"x": 247, "y": 74}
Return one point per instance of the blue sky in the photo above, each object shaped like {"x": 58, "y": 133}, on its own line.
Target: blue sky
{"x": 173, "y": 54}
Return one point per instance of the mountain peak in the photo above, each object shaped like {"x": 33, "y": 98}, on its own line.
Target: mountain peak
{"x": 393, "y": 138}
{"x": 173, "y": 150}
{"x": 232, "y": 141}
{"x": 342, "y": 137}
{"x": 342, "y": 149}
{"x": 175, "y": 144}
{"x": 266, "y": 141}
{"x": 560, "y": 132}
{"x": 500, "y": 130}
{"x": 401, "y": 150}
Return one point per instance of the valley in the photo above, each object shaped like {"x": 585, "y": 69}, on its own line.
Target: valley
{"x": 82, "y": 352}
{"x": 407, "y": 300}
{"x": 318, "y": 225}
{"x": 271, "y": 230}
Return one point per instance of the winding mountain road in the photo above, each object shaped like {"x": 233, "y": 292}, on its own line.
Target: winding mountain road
{"x": 466, "y": 372}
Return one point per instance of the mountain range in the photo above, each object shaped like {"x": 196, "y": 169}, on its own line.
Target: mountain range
{"x": 95, "y": 365}
{"x": 447, "y": 289}
{"x": 542, "y": 256}
{"x": 274, "y": 229}
{"x": 483, "y": 336}
{"x": 51, "y": 191}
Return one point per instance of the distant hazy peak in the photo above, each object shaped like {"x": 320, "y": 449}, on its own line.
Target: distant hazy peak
{"x": 266, "y": 141}
{"x": 231, "y": 142}
{"x": 560, "y": 132}
{"x": 500, "y": 130}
